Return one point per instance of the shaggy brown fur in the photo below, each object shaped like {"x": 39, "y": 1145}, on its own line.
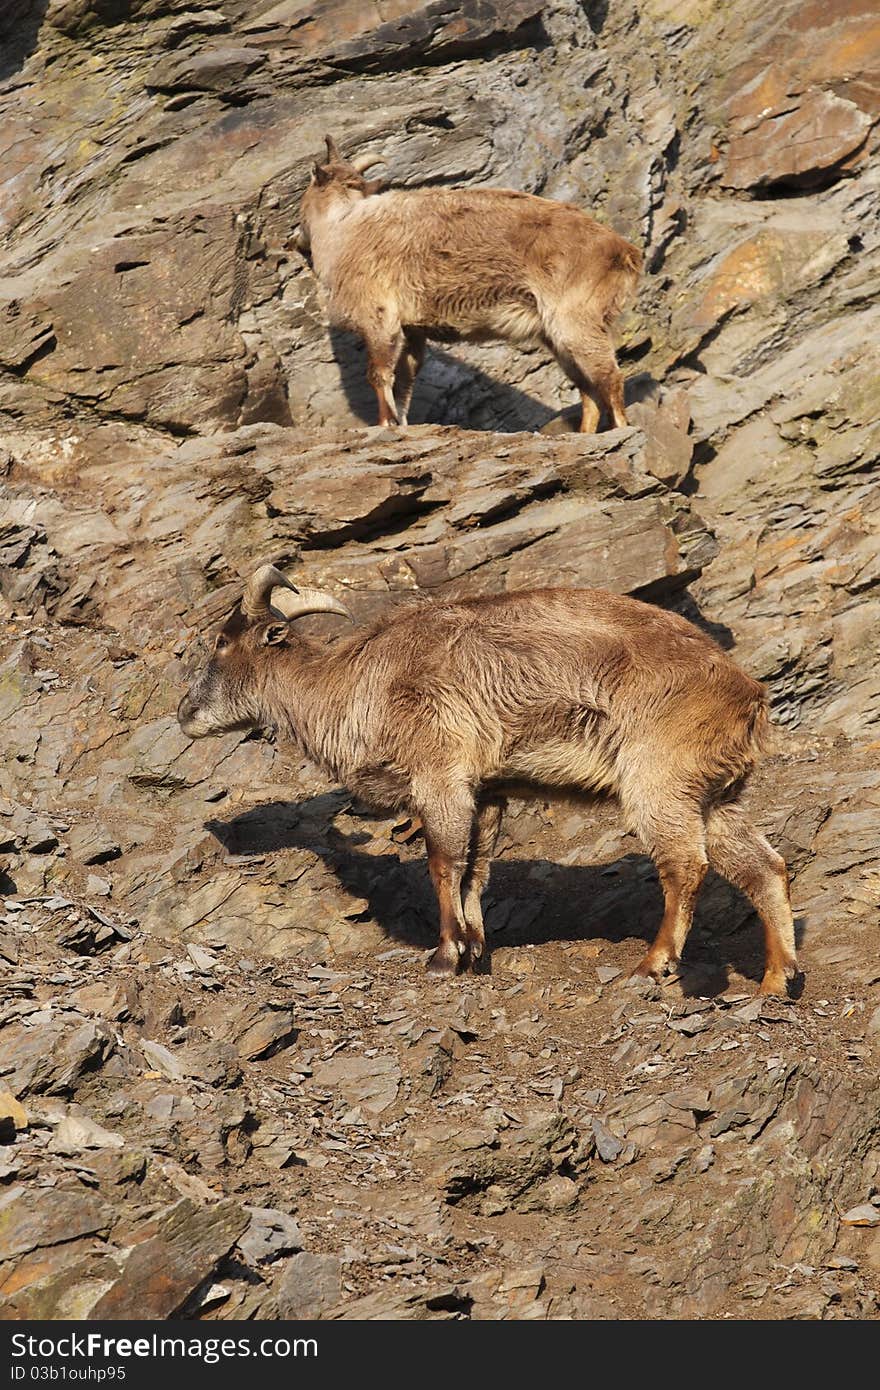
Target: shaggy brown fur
{"x": 467, "y": 263}
{"x": 448, "y": 708}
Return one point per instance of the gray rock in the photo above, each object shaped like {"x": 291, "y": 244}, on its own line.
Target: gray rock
{"x": 36, "y": 1218}
{"x": 608, "y": 1146}
{"x": 864, "y": 1215}
{"x": 264, "y": 1031}
{"x": 162, "y": 1059}
{"x": 78, "y": 1132}
{"x": 368, "y": 1081}
{"x": 449, "y": 1302}
{"x": 53, "y": 1058}
{"x": 309, "y": 1286}
{"x": 271, "y": 1234}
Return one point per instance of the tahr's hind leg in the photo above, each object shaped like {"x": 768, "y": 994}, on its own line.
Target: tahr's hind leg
{"x": 608, "y": 382}
{"x": 487, "y": 826}
{"x": 585, "y": 353}
{"x": 741, "y": 854}
{"x": 408, "y": 367}
{"x": 591, "y": 410}
{"x": 681, "y": 875}
{"x": 384, "y": 343}
{"x": 674, "y": 835}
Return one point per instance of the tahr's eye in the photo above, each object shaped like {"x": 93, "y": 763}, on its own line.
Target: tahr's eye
{"x": 222, "y": 644}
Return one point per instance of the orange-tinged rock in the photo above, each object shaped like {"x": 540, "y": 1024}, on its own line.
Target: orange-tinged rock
{"x": 12, "y": 1112}
{"x": 801, "y": 106}
{"x": 831, "y": 45}
{"x": 796, "y": 142}
{"x": 748, "y": 272}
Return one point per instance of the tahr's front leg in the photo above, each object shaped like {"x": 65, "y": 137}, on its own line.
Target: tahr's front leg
{"x": 488, "y": 824}
{"x": 448, "y": 820}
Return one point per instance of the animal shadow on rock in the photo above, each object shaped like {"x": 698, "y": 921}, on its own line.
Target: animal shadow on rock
{"x": 596, "y": 12}
{"x": 527, "y": 902}
{"x": 20, "y": 22}
{"x": 686, "y": 605}
{"x": 448, "y": 391}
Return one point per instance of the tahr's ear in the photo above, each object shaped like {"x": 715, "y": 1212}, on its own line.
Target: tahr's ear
{"x": 275, "y": 635}
{"x": 320, "y": 175}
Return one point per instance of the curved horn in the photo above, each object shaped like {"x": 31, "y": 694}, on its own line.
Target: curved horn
{"x": 255, "y": 599}
{"x": 362, "y": 162}
{"x": 296, "y": 602}
{"x": 333, "y": 155}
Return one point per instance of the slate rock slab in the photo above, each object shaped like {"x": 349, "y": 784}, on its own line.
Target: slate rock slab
{"x": 159, "y": 1274}
{"x": 37, "y": 1217}
{"x": 310, "y": 1285}
{"x": 368, "y": 1081}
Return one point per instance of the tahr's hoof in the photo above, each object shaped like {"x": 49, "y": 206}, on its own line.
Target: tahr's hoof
{"x": 655, "y": 968}
{"x": 481, "y": 964}
{"x": 773, "y": 988}
{"x": 783, "y": 982}
{"x": 445, "y": 960}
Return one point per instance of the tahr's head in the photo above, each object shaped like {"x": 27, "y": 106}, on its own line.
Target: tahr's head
{"x": 336, "y": 185}
{"x": 228, "y": 693}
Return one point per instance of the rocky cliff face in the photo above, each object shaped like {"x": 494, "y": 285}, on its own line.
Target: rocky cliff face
{"x": 220, "y": 1056}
